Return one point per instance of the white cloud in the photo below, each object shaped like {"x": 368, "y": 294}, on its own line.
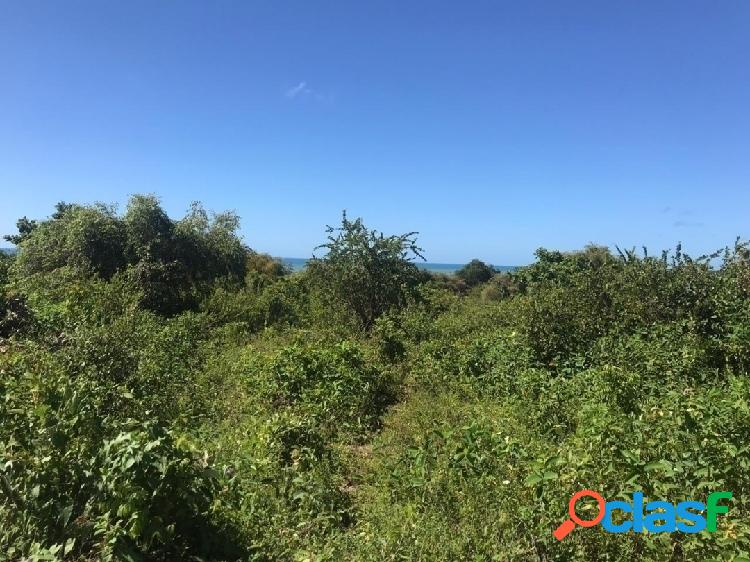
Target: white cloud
{"x": 300, "y": 89}
{"x": 303, "y": 91}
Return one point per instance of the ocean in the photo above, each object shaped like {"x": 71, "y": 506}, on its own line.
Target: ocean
{"x": 297, "y": 264}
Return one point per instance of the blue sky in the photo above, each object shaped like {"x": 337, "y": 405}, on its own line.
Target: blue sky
{"x": 492, "y": 128}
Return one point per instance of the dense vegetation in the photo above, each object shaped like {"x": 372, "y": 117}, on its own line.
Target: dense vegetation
{"x": 169, "y": 394}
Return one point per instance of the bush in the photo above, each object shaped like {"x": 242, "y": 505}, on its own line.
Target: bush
{"x": 475, "y": 273}
{"x": 169, "y": 262}
{"x": 284, "y": 493}
{"x": 365, "y": 271}
{"x": 78, "y": 480}
{"x": 502, "y": 286}
{"x": 335, "y": 386}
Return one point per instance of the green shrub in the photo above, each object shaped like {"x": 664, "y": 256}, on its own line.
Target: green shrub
{"x": 366, "y": 272}
{"x": 170, "y": 263}
{"x": 78, "y": 480}
{"x": 475, "y": 273}
{"x": 335, "y": 386}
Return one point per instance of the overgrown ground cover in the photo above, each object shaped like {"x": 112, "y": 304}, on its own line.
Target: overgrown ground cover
{"x": 168, "y": 394}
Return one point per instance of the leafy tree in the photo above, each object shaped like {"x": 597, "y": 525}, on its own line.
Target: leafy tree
{"x": 170, "y": 262}
{"x": 501, "y": 286}
{"x": 89, "y": 240}
{"x": 25, "y": 227}
{"x": 13, "y": 311}
{"x": 366, "y": 271}
{"x": 61, "y": 208}
{"x": 263, "y": 270}
{"x": 560, "y": 268}
{"x": 476, "y": 272}
{"x": 149, "y": 231}
{"x": 209, "y": 247}
{"x": 5, "y": 263}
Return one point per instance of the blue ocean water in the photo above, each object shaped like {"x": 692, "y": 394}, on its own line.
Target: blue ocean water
{"x": 297, "y": 264}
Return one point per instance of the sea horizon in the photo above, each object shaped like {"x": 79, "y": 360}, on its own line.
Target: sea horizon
{"x": 297, "y": 264}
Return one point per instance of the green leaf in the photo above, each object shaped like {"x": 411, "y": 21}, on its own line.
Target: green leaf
{"x": 533, "y": 479}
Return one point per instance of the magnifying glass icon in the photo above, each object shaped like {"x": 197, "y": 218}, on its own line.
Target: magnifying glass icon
{"x": 569, "y": 524}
